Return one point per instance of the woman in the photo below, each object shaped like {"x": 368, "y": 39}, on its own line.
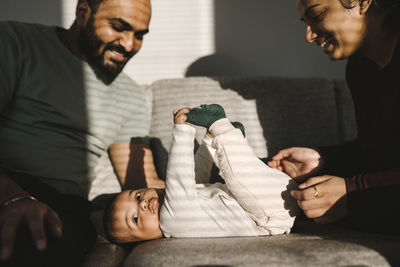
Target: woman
{"x": 361, "y": 181}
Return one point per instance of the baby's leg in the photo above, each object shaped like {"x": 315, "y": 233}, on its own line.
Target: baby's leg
{"x": 262, "y": 191}
{"x": 204, "y": 160}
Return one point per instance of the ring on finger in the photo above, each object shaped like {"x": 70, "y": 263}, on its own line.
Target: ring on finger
{"x": 316, "y": 192}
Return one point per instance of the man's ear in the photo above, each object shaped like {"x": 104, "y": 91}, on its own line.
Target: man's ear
{"x": 364, "y": 6}
{"x": 82, "y": 12}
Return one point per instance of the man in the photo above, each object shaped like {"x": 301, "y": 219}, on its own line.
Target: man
{"x": 62, "y": 104}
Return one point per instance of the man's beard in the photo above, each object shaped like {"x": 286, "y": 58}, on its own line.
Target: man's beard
{"x": 90, "y": 45}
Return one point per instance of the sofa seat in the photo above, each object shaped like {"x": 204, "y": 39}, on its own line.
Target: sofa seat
{"x": 308, "y": 245}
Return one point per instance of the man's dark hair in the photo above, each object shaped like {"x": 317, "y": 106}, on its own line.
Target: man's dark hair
{"x": 94, "y": 5}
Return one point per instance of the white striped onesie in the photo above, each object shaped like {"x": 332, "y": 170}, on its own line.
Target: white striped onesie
{"x": 254, "y": 200}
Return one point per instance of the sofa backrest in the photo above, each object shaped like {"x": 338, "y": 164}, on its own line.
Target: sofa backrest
{"x": 276, "y": 112}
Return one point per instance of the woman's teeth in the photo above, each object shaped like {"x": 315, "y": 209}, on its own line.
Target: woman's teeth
{"x": 325, "y": 43}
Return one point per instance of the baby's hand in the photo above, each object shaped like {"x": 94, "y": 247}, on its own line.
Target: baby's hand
{"x": 180, "y": 115}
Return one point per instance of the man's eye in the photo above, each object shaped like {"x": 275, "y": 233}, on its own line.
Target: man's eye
{"x": 139, "y": 36}
{"x": 138, "y": 196}
{"x": 135, "y": 219}
{"x": 116, "y": 28}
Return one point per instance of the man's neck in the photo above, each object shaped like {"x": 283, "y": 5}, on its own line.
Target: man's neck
{"x": 69, "y": 38}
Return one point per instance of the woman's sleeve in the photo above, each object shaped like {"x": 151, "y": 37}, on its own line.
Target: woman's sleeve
{"x": 341, "y": 160}
{"x": 370, "y": 196}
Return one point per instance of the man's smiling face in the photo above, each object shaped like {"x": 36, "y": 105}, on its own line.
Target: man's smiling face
{"x": 113, "y": 34}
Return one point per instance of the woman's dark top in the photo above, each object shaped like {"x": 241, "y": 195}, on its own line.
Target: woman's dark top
{"x": 371, "y": 164}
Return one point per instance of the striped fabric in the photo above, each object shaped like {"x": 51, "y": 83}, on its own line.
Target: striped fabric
{"x": 254, "y": 201}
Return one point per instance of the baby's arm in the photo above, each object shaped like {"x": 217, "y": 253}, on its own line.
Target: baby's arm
{"x": 180, "y": 169}
{"x": 181, "y": 212}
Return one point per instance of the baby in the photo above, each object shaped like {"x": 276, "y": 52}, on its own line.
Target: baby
{"x": 254, "y": 200}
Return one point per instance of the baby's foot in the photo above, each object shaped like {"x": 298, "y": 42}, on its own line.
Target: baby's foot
{"x": 239, "y": 126}
{"x": 205, "y": 115}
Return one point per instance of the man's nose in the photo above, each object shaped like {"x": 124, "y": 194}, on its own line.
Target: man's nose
{"x": 128, "y": 42}
{"x": 310, "y": 35}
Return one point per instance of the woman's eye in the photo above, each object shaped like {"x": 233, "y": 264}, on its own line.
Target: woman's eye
{"x": 317, "y": 17}
{"x": 135, "y": 219}
{"x": 138, "y": 196}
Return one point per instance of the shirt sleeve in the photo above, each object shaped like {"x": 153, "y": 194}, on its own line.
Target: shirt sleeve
{"x": 10, "y": 58}
{"x": 135, "y": 111}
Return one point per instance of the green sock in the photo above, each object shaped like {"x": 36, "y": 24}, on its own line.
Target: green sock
{"x": 240, "y": 126}
{"x": 205, "y": 115}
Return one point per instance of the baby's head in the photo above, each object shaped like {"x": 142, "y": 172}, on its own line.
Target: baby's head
{"x": 134, "y": 215}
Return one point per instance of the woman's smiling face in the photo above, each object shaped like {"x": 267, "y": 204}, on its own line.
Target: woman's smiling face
{"x": 340, "y": 31}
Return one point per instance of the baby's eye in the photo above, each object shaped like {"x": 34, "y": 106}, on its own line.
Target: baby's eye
{"x": 135, "y": 219}
{"x": 138, "y": 196}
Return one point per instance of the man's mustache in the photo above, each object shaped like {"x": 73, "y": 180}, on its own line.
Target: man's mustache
{"x": 120, "y": 49}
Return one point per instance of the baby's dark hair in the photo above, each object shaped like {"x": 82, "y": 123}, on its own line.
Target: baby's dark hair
{"x": 107, "y": 219}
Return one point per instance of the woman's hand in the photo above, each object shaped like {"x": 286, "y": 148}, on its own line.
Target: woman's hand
{"x": 297, "y": 162}
{"x": 322, "y": 198}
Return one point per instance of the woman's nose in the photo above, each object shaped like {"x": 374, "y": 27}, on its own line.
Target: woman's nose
{"x": 310, "y": 35}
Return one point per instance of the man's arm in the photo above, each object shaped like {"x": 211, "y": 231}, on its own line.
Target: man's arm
{"x": 17, "y": 210}
{"x": 134, "y": 165}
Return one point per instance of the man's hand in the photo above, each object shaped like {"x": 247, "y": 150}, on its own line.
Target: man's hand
{"x": 297, "y": 162}
{"x": 36, "y": 215}
{"x": 322, "y": 198}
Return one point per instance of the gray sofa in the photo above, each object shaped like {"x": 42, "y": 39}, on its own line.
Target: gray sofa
{"x": 277, "y": 113}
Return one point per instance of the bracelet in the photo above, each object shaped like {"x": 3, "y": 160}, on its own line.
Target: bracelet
{"x": 15, "y": 199}
{"x": 12, "y": 196}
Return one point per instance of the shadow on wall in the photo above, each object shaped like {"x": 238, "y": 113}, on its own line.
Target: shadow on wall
{"x": 47, "y": 12}
{"x": 262, "y": 38}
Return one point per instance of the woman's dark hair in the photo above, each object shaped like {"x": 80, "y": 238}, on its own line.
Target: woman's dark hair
{"x": 392, "y": 7}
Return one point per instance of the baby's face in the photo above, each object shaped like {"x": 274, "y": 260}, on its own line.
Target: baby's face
{"x": 135, "y": 215}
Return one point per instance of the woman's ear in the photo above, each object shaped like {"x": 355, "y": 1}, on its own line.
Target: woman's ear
{"x": 364, "y": 6}
{"x": 82, "y": 12}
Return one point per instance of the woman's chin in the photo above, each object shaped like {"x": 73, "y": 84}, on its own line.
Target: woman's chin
{"x": 334, "y": 55}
